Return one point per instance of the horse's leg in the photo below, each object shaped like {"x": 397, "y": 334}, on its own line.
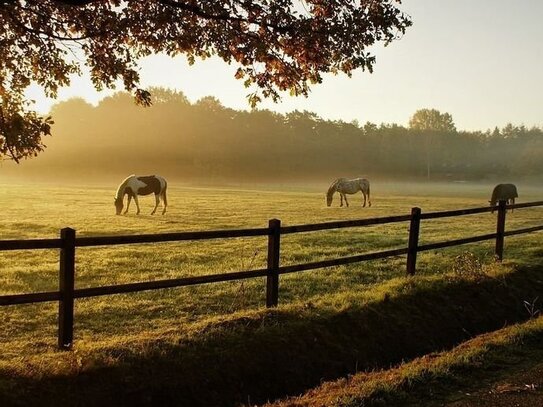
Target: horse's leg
{"x": 364, "y": 195}
{"x": 137, "y": 204}
{"x": 341, "y": 197}
{"x": 128, "y": 203}
{"x": 164, "y": 201}
{"x": 346, "y": 202}
{"x": 157, "y": 200}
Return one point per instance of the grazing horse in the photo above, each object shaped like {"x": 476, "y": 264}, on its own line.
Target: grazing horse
{"x": 348, "y": 186}
{"x": 503, "y": 192}
{"x": 135, "y": 185}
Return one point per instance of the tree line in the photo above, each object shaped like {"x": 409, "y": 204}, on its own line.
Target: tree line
{"x": 207, "y": 141}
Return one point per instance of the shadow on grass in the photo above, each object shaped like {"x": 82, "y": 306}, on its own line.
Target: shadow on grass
{"x": 284, "y": 352}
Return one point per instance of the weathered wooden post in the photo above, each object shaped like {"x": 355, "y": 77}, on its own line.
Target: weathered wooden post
{"x": 272, "y": 279}
{"x": 500, "y": 230}
{"x": 414, "y": 228}
{"x": 66, "y": 288}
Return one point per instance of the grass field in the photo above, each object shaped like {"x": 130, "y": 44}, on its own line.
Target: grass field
{"x": 40, "y": 211}
{"x": 151, "y": 344}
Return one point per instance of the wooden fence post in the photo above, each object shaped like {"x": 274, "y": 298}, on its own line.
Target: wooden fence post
{"x": 66, "y": 288}
{"x": 272, "y": 279}
{"x": 414, "y": 228}
{"x": 500, "y": 230}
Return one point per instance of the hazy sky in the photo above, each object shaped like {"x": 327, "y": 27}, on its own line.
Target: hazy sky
{"x": 479, "y": 60}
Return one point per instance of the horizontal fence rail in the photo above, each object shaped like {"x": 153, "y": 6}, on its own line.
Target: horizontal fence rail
{"x": 341, "y": 261}
{"x": 521, "y": 231}
{"x": 457, "y": 212}
{"x": 16, "y": 299}
{"x": 170, "y": 283}
{"x": 343, "y": 224}
{"x": 457, "y": 242}
{"x": 30, "y": 244}
{"x": 68, "y": 242}
{"x": 168, "y": 237}
{"x": 525, "y": 205}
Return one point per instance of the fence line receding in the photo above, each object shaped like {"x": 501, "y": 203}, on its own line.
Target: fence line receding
{"x": 68, "y": 242}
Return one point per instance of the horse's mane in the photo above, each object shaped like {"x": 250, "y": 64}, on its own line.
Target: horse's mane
{"x": 332, "y": 187}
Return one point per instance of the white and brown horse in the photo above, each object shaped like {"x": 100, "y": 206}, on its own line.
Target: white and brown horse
{"x": 137, "y": 185}
{"x": 348, "y": 186}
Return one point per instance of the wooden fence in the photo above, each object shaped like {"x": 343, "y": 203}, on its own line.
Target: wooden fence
{"x": 67, "y": 243}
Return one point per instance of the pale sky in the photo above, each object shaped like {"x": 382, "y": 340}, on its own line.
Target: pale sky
{"x": 479, "y": 60}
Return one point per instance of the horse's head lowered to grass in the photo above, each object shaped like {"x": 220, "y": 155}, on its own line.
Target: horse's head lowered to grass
{"x": 329, "y": 197}
{"x": 118, "y": 205}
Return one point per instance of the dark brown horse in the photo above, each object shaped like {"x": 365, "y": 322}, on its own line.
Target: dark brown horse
{"x": 503, "y": 192}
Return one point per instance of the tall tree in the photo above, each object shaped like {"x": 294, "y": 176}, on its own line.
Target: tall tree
{"x": 431, "y": 123}
{"x": 279, "y": 45}
{"x": 432, "y": 120}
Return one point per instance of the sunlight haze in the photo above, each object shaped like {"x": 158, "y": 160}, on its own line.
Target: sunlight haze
{"x": 378, "y": 242}
{"x": 479, "y": 61}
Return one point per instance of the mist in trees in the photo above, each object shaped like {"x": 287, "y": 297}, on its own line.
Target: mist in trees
{"x": 210, "y": 143}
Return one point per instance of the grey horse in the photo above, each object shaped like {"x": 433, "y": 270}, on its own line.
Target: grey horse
{"x": 348, "y": 186}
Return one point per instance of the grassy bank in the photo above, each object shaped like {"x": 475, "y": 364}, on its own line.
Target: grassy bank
{"x": 267, "y": 354}
{"x": 442, "y": 377}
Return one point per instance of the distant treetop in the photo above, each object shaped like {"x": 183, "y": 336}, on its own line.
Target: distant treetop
{"x": 432, "y": 120}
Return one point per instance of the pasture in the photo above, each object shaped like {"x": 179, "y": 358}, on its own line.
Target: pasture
{"x": 40, "y": 211}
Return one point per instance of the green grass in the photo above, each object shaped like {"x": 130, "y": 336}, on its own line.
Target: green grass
{"x": 39, "y": 212}
{"x": 113, "y": 327}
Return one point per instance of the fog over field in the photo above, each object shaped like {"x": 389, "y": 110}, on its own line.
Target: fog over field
{"x": 205, "y": 143}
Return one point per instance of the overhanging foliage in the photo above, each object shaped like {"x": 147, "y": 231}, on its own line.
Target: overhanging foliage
{"x": 282, "y": 45}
